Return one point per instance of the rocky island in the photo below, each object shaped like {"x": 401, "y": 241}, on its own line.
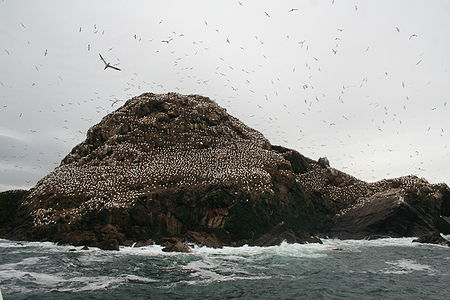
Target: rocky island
{"x": 176, "y": 170}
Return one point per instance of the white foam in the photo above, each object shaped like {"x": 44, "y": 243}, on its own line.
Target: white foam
{"x": 10, "y": 244}
{"x": 230, "y": 253}
{"x": 58, "y": 283}
{"x": 290, "y": 250}
{"x": 34, "y": 277}
{"x": 139, "y": 279}
{"x": 152, "y": 250}
{"x": 212, "y": 270}
{"x": 27, "y": 261}
{"x": 356, "y": 244}
{"x": 406, "y": 266}
{"x": 92, "y": 283}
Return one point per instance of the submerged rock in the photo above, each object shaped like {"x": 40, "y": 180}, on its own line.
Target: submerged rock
{"x": 111, "y": 244}
{"x": 175, "y": 166}
{"x": 177, "y": 247}
{"x": 282, "y": 233}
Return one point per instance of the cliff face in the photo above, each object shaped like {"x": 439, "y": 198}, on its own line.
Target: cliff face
{"x": 399, "y": 207}
{"x": 167, "y": 167}
{"x": 163, "y": 165}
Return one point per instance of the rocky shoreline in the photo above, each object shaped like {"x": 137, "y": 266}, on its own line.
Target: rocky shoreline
{"x": 175, "y": 169}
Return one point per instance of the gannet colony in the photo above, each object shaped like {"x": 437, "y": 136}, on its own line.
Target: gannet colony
{"x": 179, "y": 170}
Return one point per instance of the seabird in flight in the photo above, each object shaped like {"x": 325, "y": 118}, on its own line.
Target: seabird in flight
{"x": 108, "y": 65}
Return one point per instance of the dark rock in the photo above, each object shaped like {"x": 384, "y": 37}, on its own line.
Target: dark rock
{"x": 78, "y": 238}
{"x": 282, "y": 233}
{"x": 145, "y": 243}
{"x": 390, "y": 213}
{"x": 299, "y": 163}
{"x": 72, "y": 250}
{"x": 9, "y": 203}
{"x": 169, "y": 240}
{"x": 85, "y": 248}
{"x": 128, "y": 243}
{"x": 432, "y": 238}
{"x": 177, "y": 247}
{"x": 204, "y": 239}
{"x": 109, "y": 245}
{"x": 324, "y": 162}
{"x": 109, "y": 232}
{"x": 137, "y": 244}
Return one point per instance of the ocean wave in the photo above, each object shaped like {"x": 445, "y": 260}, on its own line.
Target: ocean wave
{"x": 406, "y": 266}
{"x": 56, "y": 282}
{"x": 205, "y": 271}
{"x": 312, "y": 250}
{"x": 138, "y": 279}
{"x": 26, "y": 261}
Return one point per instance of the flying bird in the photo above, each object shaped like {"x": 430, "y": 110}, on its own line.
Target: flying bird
{"x": 412, "y": 35}
{"x": 398, "y": 29}
{"x": 114, "y": 102}
{"x": 267, "y": 14}
{"x": 166, "y": 41}
{"x": 293, "y": 9}
{"x": 45, "y": 54}
{"x": 108, "y": 65}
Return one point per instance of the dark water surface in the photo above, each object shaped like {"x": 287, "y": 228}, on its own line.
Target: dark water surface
{"x": 387, "y": 268}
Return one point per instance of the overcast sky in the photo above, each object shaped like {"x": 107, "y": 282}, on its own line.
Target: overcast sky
{"x": 365, "y": 83}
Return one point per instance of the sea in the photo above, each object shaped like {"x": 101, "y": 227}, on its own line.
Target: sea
{"x": 336, "y": 269}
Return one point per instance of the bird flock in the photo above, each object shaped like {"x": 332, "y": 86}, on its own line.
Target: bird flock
{"x": 238, "y": 78}
{"x": 348, "y": 193}
{"x": 201, "y": 145}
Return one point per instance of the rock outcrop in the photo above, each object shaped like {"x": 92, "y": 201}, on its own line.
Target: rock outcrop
{"x": 405, "y": 206}
{"x": 433, "y": 238}
{"x": 174, "y": 166}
